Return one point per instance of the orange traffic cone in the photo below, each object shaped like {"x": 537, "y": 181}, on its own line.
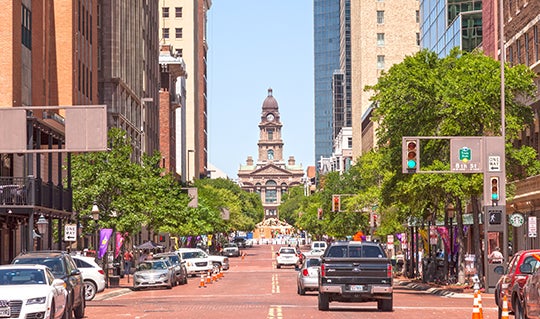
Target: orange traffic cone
{"x": 214, "y": 277}
{"x": 201, "y": 283}
{"x": 480, "y": 305}
{"x": 504, "y": 313}
{"x": 476, "y": 309}
{"x": 208, "y": 278}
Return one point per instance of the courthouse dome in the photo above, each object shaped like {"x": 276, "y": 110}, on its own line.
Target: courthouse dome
{"x": 270, "y": 102}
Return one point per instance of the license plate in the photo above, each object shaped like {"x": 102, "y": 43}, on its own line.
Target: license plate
{"x": 358, "y": 288}
{"x": 5, "y": 312}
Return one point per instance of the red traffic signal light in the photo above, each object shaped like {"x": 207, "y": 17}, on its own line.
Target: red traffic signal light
{"x": 336, "y": 203}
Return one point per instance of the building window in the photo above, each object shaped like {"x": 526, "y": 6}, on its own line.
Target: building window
{"x": 165, "y": 12}
{"x": 380, "y": 39}
{"x": 536, "y": 42}
{"x": 417, "y": 38}
{"x": 349, "y": 142}
{"x": 270, "y": 154}
{"x": 526, "y": 49}
{"x": 270, "y": 134}
{"x": 178, "y": 33}
{"x": 178, "y": 12}
{"x": 271, "y": 196}
{"x": 165, "y": 33}
{"x": 179, "y": 53}
{"x": 26, "y": 27}
{"x": 380, "y": 17}
{"x": 417, "y": 16}
{"x": 380, "y": 62}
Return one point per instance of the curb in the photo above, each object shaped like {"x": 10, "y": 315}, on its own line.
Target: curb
{"x": 113, "y": 293}
{"x": 427, "y": 288}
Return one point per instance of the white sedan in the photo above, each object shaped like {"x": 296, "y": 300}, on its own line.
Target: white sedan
{"x": 31, "y": 291}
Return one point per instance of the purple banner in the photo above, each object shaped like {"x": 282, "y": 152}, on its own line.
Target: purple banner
{"x": 104, "y": 236}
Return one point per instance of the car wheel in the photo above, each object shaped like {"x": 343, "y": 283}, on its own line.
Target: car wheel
{"x": 324, "y": 302}
{"x": 301, "y": 291}
{"x": 52, "y": 314}
{"x": 79, "y": 310}
{"x": 385, "y": 304}
{"x": 518, "y": 311}
{"x": 90, "y": 290}
{"x": 278, "y": 266}
{"x": 68, "y": 311}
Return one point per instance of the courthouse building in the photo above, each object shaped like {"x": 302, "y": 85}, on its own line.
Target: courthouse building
{"x": 270, "y": 176}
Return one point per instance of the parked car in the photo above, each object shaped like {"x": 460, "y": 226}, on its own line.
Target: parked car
{"x": 153, "y": 273}
{"x": 319, "y": 245}
{"x": 179, "y": 265}
{"x": 63, "y": 267}
{"x": 231, "y": 250}
{"x": 530, "y": 307}
{"x": 513, "y": 279}
{"x": 31, "y": 291}
{"x": 308, "y": 275}
{"x": 241, "y": 242}
{"x": 197, "y": 261}
{"x": 93, "y": 276}
{"x": 314, "y": 253}
{"x": 287, "y": 256}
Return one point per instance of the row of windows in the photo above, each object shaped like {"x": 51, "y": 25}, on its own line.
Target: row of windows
{"x": 85, "y": 22}
{"x": 84, "y": 82}
{"x": 177, "y": 12}
{"x": 380, "y": 39}
{"x": 177, "y": 32}
{"x": 26, "y": 27}
{"x": 526, "y": 49}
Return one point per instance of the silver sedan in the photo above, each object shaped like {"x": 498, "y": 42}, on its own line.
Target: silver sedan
{"x": 153, "y": 273}
{"x": 308, "y": 275}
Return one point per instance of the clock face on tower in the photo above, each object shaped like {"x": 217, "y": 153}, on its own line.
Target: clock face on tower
{"x": 270, "y": 117}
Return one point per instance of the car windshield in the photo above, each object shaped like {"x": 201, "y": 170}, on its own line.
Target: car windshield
{"x": 193, "y": 254}
{"x": 54, "y": 264}
{"x": 231, "y": 245}
{"x": 22, "y": 277}
{"x": 313, "y": 263}
{"x": 287, "y": 251}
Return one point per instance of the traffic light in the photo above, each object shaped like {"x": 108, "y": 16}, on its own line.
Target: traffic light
{"x": 336, "y": 203}
{"x": 494, "y": 182}
{"x": 411, "y": 155}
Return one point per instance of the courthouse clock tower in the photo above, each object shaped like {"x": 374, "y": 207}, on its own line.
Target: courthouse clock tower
{"x": 271, "y": 176}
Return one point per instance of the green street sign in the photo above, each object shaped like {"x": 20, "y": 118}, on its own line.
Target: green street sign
{"x": 465, "y": 154}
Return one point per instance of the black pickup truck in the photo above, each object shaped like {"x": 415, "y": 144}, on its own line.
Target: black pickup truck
{"x": 355, "y": 272}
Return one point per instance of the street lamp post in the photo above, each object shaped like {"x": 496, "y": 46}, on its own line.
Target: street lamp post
{"x": 450, "y": 211}
{"x": 42, "y": 225}
{"x": 95, "y": 217}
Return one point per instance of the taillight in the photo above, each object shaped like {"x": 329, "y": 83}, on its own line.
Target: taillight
{"x": 101, "y": 271}
{"x": 389, "y": 271}
{"x": 305, "y": 272}
{"x": 323, "y": 270}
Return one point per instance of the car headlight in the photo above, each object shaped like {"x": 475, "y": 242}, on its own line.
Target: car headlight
{"x": 37, "y": 300}
{"x": 163, "y": 276}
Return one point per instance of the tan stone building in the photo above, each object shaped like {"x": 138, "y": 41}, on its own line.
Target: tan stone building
{"x": 183, "y": 25}
{"x": 382, "y": 34}
{"x": 270, "y": 176}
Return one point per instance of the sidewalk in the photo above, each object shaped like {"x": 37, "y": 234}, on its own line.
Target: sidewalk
{"x": 123, "y": 288}
{"x": 431, "y": 288}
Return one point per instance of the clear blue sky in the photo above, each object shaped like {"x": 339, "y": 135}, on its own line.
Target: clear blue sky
{"x": 255, "y": 45}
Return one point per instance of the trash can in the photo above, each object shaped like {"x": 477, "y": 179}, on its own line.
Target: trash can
{"x": 114, "y": 281}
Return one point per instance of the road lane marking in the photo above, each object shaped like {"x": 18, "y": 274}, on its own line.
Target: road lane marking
{"x": 275, "y": 312}
{"x": 275, "y": 284}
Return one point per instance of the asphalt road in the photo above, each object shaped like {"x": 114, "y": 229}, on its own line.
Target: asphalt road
{"x": 253, "y": 288}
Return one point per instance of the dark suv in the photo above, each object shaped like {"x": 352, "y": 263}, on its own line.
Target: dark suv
{"x": 63, "y": 267}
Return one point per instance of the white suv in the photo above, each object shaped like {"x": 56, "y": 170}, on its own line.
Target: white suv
{"x": 287, "y": 256}
{"x": 197, "y": 261}
{"x": 93, "y": 276}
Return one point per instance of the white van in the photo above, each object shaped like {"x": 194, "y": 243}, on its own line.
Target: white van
{"x": 320, "y": 245}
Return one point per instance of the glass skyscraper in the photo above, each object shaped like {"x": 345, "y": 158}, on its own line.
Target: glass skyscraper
{"x": 326, "y": 31}
{"x": 450, "y": 23}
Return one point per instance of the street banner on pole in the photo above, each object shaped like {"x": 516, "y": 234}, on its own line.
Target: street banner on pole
{"x": 104, "y": 236}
